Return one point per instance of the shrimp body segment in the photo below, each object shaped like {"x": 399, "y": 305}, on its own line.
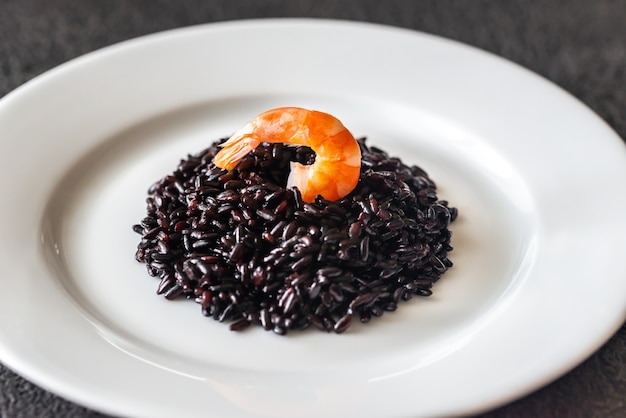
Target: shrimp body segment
{"x": 336, "y": 170}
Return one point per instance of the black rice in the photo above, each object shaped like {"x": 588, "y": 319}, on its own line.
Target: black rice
{"x": 251, "y": 252}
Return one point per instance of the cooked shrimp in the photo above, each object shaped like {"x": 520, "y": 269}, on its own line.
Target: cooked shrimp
{"x": 337, "y": 166}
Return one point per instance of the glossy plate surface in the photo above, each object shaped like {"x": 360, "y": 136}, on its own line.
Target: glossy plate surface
{"x": 539, "y": 180}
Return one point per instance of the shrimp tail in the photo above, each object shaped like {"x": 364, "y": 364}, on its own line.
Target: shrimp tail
{"x": 237, "y": 147}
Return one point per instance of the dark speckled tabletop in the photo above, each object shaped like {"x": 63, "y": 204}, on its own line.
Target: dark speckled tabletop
{"x": 578, "y": 44}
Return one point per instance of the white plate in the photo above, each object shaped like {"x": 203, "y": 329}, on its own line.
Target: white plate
{"x": 539, "y": 180}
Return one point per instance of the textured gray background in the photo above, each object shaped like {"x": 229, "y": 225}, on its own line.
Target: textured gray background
{"x": 578, "y": 44}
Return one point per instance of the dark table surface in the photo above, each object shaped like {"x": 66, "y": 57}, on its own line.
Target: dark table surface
{"x": 578, "y": 44}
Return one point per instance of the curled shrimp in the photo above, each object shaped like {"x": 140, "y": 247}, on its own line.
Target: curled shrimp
{"x": 337, "y": 166}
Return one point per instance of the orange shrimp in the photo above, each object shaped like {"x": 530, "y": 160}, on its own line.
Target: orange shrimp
{"x": 337, "y": 166}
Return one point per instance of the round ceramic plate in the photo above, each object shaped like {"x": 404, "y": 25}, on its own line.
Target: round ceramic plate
{"x": 538, "y": 282}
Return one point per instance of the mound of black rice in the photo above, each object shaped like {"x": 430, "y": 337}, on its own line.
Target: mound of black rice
{"x": 251, "y": 252}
